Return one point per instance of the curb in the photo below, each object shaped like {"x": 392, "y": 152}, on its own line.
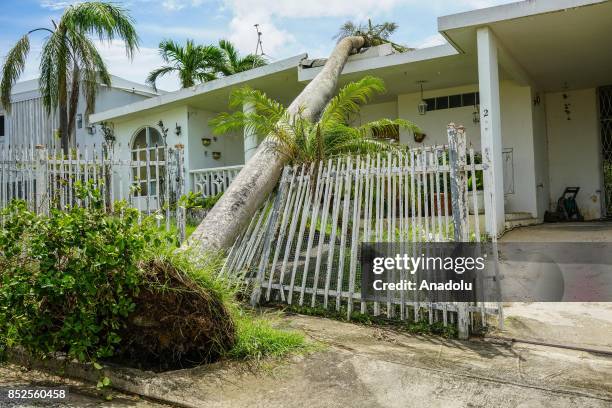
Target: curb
{"x": 128, "y": 380}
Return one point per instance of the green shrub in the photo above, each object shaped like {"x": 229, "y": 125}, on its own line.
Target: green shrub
{"x": 94, "y": 285}
{"x": 67, "y": 280}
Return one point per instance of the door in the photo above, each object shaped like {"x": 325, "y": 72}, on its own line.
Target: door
{"x": 605, "y": 115}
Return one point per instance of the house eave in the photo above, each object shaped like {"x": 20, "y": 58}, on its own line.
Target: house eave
{"x": 184, "y": 95}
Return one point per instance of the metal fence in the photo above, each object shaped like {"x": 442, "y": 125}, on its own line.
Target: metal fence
{"x": 303, "y": 246}
{"x": 151, "y": 179}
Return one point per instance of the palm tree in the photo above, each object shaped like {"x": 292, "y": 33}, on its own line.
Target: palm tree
{"x": 70, "y": 59}
{"x": 374, "y": 34}
{"x": 260, "y": 174}
{"x": 301, "y": 140}
{"x": 234, "y": 63}
{"x": 193, "y": 63}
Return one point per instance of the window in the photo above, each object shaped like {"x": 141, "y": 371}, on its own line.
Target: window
{"x": 145, "y": 169}
{"x": 1, "y": 125}
{"x": 452, "y": 101}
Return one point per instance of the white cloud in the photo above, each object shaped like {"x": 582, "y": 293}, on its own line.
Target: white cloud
{"x": 174, "y": 5}
{"x": 145, "y": 60}
{"x": 432, "y": 41}
{"x": 166, "y": 31}
{"x": 57, "y": 4}
{"x": 248, "y": 12}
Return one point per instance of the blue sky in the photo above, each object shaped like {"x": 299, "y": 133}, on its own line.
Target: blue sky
{"x": 289, "y": 26}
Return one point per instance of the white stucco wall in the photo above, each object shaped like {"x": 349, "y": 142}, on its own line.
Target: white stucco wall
{"x": 229, "y": 145}
{"x": 540, "y": 140}
{"x": 517, "y": 134}
{"x": 574, "y": 150}
{"x": 106, "y": 99}
{"x": 434, "y": 123}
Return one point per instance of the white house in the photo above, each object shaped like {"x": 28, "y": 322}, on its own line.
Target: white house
{"x": 531, "y": 82}
{"x": 28, "y": 123}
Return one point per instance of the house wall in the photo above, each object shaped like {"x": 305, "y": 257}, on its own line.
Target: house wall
{"x": 540, "y": 138}
{"x": 517, "y": 135}
{"x": 28, "y": 122}
{"x": 434, "y": 123}
{"x": 106, "y": 99}
{"x": 231, "y": 146}
{"x": 126, "y": 130}
{"x": 574, "y": 148}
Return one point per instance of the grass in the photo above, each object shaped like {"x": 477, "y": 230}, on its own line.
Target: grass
{"x": 256, "y": 338}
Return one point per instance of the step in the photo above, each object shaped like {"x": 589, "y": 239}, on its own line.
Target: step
{"x": 520, "y": 223}
{"x": 514, "y": 216}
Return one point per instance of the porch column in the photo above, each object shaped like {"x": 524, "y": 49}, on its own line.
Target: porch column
{"x": 490, "y": 131}
{"x": 250, "y": 137}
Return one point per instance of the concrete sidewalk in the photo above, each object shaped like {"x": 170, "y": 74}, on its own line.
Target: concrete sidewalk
{"x": 361, "y": 366}
{"x": 576, "y": 324}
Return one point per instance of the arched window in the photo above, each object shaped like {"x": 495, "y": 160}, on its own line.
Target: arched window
{"x": 148, "y": 150}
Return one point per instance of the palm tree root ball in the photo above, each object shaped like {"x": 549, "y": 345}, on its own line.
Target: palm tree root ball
{"x": 176, "y": 323}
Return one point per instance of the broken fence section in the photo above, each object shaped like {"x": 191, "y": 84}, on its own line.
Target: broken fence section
{"x": 303, "y": 246}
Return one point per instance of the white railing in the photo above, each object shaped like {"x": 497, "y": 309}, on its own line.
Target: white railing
{"x": 215, "y": 180}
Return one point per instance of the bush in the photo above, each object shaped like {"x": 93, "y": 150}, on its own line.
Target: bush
{"x": 67, "y": 281}
{"x": 97, "y": 285}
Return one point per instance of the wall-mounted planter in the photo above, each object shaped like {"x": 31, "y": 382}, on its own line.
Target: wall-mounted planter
{"x": 419, "y": 137}
{"x": 206, "y": 141}
{"x": 216, "y": 155}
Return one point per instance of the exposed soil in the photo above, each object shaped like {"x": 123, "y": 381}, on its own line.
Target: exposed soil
{"x": 176, "y": 323}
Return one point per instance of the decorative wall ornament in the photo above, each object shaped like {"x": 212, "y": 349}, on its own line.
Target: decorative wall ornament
{"x": 163, "y": 129}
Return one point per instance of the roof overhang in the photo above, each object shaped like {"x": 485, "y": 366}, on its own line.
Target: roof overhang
{"x": 277, "y": 80}
{"x": 559, "y": 44}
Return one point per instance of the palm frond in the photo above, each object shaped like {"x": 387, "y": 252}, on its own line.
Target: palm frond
{"x": 108, "y": 21}
{"x": 13, "y": 67}
{"x": 53, "y": 66}
{"x": 367, "y": 129}
{"x": 90, "y": 62}
{"x": 349, "y": 100}
{"x": 157, "y": 73}
{"x": 258, "y": 101}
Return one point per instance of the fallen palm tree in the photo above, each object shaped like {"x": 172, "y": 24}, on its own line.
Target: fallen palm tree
{"x": 261, "y": 173}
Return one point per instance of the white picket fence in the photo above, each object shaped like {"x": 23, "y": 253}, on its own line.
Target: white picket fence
{"x": 151, "y": 180}
{"x": 303, "y": 246}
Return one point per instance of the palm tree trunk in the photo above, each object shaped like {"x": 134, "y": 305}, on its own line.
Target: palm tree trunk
{"x": 63, "y": 112}
{"x": 260, "y": 175}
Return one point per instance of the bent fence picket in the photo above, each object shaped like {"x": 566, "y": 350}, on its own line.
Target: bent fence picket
{"x": 303, "y": 246}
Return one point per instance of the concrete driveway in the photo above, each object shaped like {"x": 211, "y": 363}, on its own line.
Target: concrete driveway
{"x": 576, "y": 324}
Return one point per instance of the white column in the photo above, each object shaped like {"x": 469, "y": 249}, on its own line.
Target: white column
{"x": 490, "y": 131}
{"x": 250, "y": 137}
